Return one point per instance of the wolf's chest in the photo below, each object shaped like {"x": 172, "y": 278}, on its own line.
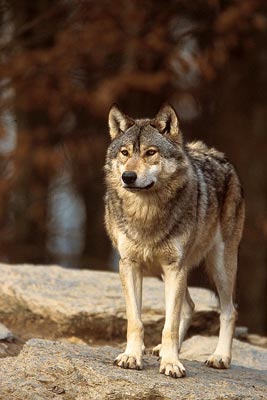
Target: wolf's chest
{"x": 149, "y": 258}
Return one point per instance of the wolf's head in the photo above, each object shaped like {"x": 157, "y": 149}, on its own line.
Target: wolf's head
{"x": 145, "y": 154}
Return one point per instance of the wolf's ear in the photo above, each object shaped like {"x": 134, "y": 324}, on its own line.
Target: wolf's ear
{"x": 118, "y": 122}
{"x": 166, "y": 121}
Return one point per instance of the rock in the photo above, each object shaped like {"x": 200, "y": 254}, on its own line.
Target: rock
{"x": 241, "y": 332}
{"x": 53, "y": 302}
{"x": 197, "y": 348}
{"x": 5, "y": 334}
{"x": 10, "y": 349}
{"x": 10, "y": 345}
{"x": 47, "y": 370}
{"x": 257, "y": 340}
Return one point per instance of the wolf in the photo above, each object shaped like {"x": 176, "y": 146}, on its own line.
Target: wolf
{"x": 168, "y": 206}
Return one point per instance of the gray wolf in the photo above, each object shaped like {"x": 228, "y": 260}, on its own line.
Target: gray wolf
{"x": 170, "y": 205}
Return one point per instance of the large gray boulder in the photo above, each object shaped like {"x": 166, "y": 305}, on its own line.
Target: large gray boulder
{"x": 53, "y": 302}
{"x": 48, "y": 370}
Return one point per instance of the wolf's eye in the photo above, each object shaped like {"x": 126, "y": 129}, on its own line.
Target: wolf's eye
{"x": 124, "y": 153}
{"x": 150, "y": 152}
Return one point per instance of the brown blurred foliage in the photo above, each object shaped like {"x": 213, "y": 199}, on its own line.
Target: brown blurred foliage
{"x": 63, "y": 63}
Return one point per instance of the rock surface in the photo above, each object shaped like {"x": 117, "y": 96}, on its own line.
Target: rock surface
{"x": 197, "y": 348}
{"x": 78, "y": 306}
{"x": 48, "y": 370}
{"x": 5, "y": 334}
{"x": 10, "y": 345}
{"x": 53, "y": 302}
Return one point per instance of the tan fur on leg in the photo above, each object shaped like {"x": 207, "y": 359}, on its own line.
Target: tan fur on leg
{"x": 131, "y": 279}
{"x": 175, "y": 286}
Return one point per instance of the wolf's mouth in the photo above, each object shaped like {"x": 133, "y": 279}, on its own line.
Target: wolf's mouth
{"x": 139, "y": 188}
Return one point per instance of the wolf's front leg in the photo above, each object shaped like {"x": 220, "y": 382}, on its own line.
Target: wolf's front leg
{"x": 175, "y": 285}
{"x": 131, "y": 280}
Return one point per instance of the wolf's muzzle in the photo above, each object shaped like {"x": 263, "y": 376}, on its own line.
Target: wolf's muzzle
{"x": 129, "y": 177}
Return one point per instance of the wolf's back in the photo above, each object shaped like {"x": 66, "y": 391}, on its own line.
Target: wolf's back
{"x": 219, "y": 187}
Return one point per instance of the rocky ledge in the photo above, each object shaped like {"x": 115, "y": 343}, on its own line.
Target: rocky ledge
{"x": 53, "y": 314}
{"x": 53, "y": 302}
{"x": 50, "y": 369}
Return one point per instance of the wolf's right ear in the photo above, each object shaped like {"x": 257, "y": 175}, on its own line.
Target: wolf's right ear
{"x": 118, "y": 122}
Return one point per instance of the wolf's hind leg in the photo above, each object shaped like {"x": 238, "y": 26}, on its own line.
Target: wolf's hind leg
{"x": 222, "y": 266}
{"x": 156, "y": 350}
{"x": 186, "y": 317}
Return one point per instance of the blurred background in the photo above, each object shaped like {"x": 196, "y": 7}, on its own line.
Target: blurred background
{"x": 63, "y": 63}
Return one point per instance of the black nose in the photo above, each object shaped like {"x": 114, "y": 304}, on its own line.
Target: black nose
{"x": 129, "y": 177}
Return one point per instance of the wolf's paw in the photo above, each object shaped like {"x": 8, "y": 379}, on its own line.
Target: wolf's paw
{"x": 156, "y": 350}
{"x": 174, "y": 369}
{"x": 218, "y": 361}
{"x": 128, "y": 361}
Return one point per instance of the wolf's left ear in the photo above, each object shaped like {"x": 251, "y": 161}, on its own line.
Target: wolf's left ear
{"x": 166, "y": 121}
{"x": 118, "y": 122}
